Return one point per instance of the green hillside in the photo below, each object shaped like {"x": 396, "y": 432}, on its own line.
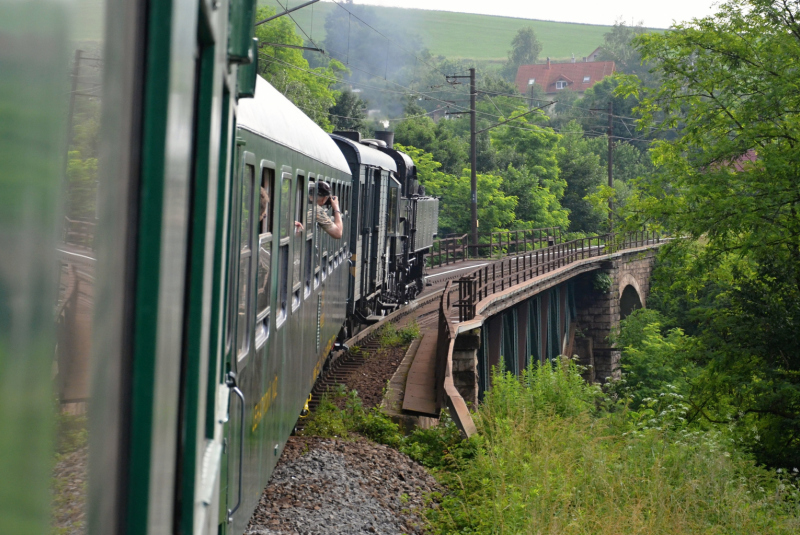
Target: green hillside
{"x": 463, "y": 35}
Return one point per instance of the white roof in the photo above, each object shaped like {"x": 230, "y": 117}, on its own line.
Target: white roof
{"x": 272, "y": 116}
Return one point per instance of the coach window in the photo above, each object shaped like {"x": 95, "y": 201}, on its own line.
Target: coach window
{"x": 245, "y": 255}
{"x": 297, "y": 249}
{"x": 317, "y": 245}
{"x": 346, "y": 211}
{"x": 311, "y": 228}
{"x": 286, "y": 226}
{"x": 337, "y": 190}
{"x": 264, "y": 282}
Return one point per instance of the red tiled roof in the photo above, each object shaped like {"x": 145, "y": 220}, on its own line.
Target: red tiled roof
{"x": 572, "y": 73}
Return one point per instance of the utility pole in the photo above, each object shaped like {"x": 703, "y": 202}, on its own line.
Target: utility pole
{"x": 610, "y": 165}
{"x": 473, "y": 149}
{"x": 610, "y": 133}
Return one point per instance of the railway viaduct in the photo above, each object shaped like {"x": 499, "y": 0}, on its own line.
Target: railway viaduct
{"x": 565, "y": 299}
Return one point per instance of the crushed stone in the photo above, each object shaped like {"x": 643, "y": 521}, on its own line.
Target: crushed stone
{"x": 338, "y": 487}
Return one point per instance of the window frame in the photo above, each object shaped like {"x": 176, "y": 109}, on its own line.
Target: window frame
{"x": 243, "y": 346}
{"x": 282, "y": 304}
{"x": 298, "y": 238}
{"x": 311, "y": 231}
{"x": 266, "y": 235}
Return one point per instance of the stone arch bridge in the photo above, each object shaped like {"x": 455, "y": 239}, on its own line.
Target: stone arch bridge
{"x": 563, "y": 299}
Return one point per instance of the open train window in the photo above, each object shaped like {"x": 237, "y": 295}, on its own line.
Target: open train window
{"x": 286, "y": 223}
{"x": 317, "y": 245}
{"x": 245, "y": 255}
{"x": 297, "y": 249}
{"x": 264, "y": 281}
{"x": 311, "y": 228}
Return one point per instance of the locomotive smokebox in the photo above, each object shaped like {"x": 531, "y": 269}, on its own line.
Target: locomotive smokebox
{"x": 387, "y": 137}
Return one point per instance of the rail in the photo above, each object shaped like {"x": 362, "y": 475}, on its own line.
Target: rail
{"x": 517, "y": 269}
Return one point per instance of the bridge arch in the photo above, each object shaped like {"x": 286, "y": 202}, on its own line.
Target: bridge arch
{"x": 630, "y": 296}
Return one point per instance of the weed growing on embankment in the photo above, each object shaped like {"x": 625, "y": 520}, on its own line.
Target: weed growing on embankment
{"x": 559, "y": 456}
{"x": 556, "y": 455}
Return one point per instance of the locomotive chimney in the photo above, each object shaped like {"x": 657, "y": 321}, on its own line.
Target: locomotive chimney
{"x": 387, "y": 137}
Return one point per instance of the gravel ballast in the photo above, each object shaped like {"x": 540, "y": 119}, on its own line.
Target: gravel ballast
{"x": 331, "y": 486}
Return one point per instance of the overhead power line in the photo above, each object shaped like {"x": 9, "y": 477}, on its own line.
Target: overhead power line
{"x": 286, "y": 12}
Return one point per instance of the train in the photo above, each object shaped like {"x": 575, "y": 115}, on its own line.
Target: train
{"x": 167, "y": 298}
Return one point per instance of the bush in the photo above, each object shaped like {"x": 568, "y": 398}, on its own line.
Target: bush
{"x": 552, "y": 462}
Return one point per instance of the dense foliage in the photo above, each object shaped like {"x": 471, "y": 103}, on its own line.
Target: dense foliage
{"x": 311, "y": 90}
{"x": 729, "y": 182}
{"x": 550, "y": 461}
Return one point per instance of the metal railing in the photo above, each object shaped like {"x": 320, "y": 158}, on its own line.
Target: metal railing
{"x": 458, "y": 248}
{"x": 78, "y": 232}
{"x": 513, "y": 242}
{"x": 511, "y": 271}
{"x": 446, "y": 251}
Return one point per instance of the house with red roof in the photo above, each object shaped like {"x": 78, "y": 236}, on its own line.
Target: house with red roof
{"x": 555, "y": 77}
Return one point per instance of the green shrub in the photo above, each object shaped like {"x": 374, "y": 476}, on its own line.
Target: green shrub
{"x": 330, "y": 421}
{"x": 552, "y": 462}
{"x": 390, "y": 336}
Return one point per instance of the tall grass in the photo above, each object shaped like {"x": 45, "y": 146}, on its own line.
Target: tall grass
{"x": 558, "y": 456}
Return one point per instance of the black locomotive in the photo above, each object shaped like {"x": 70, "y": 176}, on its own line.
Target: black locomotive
{"x": 394, "y": 228}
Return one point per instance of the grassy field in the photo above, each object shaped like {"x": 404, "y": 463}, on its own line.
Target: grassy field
{"x": 463, "y": 35}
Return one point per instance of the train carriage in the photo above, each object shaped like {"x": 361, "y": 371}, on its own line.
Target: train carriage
{"x": 288, "y": 286}
{"x": 181, "y": 330}
{"x": 373, "y": 178}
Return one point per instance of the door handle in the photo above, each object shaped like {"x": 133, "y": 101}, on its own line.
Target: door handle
{"x": 230, "y": 381}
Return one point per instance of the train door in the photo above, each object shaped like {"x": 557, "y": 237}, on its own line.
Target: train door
{"x": 377, "y": 229}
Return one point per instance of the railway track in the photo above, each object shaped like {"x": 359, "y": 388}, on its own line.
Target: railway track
{"x": 366, "y": 345}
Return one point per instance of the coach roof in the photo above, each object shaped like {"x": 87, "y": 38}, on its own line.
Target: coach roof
{"x": 364, "y": 154}
{"x": 273, "y": 116}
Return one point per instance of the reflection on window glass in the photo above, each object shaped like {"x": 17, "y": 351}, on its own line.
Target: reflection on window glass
{"x": 265, "y": 242}
{"x": 299, "y": 214}
{"x": 265, "y": 202}
{"x": 286, "y": 204}
{"x": 245, "y": 252}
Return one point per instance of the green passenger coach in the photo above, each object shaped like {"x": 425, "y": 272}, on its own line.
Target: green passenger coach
{"x": 170, "y": 285}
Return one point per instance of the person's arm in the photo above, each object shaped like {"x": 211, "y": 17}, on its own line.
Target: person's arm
{"x": 336, "y": 233}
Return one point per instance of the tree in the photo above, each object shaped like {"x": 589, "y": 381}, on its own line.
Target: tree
{"x": 618, "y": 47}
{"x": 525, "y": 49}
{"x": 495, "y": 208}
{"x": 583, "y": 172}
{"x": 288, "y": 71}
{"x": 349, "y": 113}
{"x": 537, "y": 205}
{"x": 730, "y": 184}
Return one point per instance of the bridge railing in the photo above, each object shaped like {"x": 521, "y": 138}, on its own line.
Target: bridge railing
{"x": 459, "y": 248}
{"x": 79, "y": 232}
{"x": 511, "y": 271}
{"x": 447, "y": 394}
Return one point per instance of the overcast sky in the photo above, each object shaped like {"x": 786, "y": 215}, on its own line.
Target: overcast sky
{"x": 654, "y": 14}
